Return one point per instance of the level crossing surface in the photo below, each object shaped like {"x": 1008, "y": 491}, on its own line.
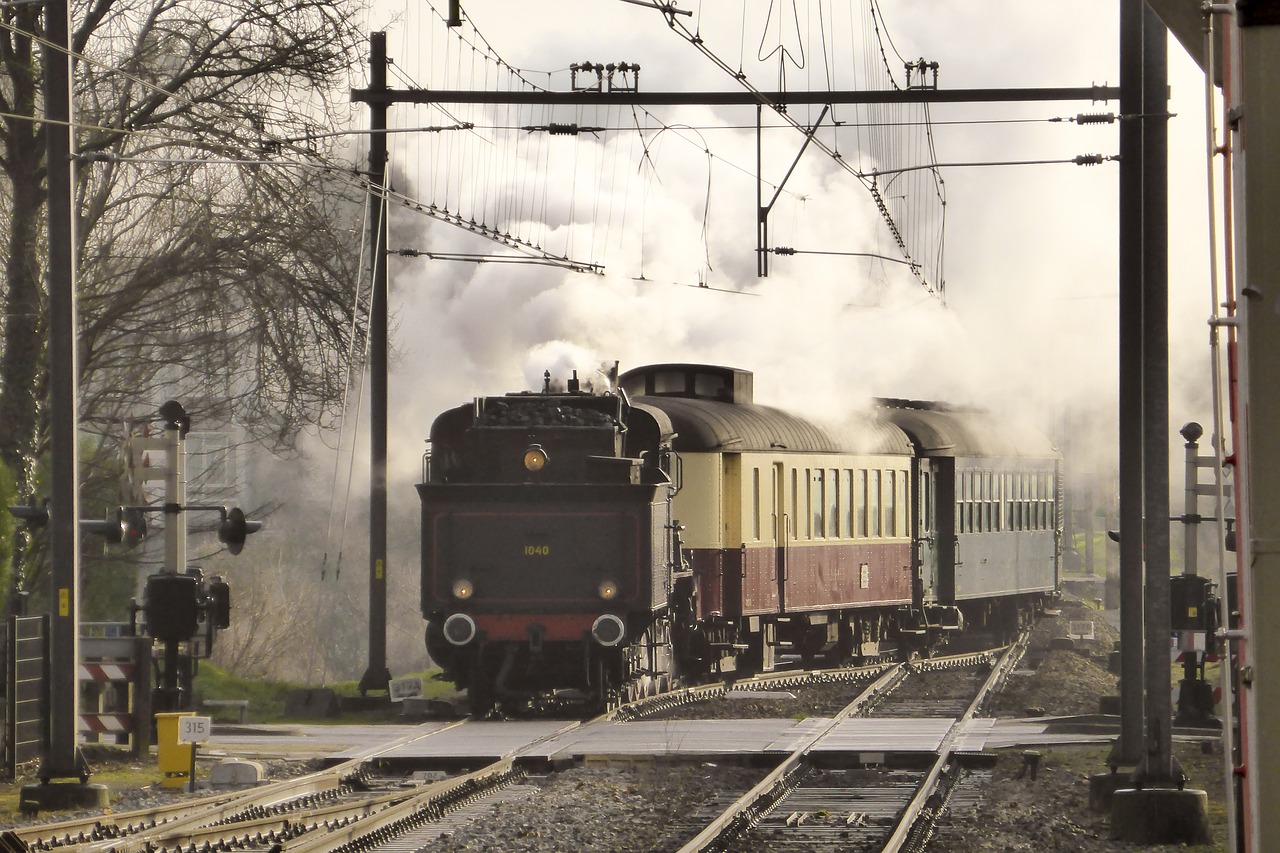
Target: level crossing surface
{"x": 560, "y": 739}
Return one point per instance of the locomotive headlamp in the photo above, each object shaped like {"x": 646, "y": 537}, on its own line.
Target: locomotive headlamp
{"x": 535, "y": 458}
{"x": 609, "y": 630}
{"x": 608, "y": 590}
{"x": 463, "y": 589}
{"x": 459, "y": 629}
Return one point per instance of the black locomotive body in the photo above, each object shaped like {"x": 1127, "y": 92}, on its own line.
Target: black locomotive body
{"x": 582, "y": 547}
{"x": 546, "y": 546}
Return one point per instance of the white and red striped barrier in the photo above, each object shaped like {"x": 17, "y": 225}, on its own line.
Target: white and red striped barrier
{"x": 106, "y": 672}
{"x": 106, "y": 723}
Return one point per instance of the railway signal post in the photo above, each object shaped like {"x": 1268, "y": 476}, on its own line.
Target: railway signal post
{"x": 179, "y": 600}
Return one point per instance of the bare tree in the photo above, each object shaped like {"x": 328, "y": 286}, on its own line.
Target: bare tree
{"x": 268, "y": 630}
{"x": 218, "y": 260}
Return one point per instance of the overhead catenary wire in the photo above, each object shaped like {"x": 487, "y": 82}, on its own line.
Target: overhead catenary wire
{"x": 381, "y": 224}
{"x": 346, "y": 388}
{"x": 933, "y": 282}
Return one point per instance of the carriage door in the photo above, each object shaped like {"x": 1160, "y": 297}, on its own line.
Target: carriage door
{"x": 782, "y": 522}
{"x": 925, "y": 540}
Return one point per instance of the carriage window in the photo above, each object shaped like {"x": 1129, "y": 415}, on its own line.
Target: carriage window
{"x": 887, "y": 496}
{"x": 1031, "y": 501}
{"x": 816, "y": 500}
{"x": 926, "y": 487}
{"x": 755, "y": 504}
{"x": 904, "y": 502}
{"x": 873, "y": 503}
{"x": 846, "y": 501}
{"x": 833, "y": 504}
{"x": 795, "y": 497}
{"x": 1034, "y": 504}
{"x": 978, "y": 496}
{"x": 1045, "y": 501}
{"x": 890, "y": 503}
{"x": 970, "y": 504}
{"x": 997, "y": 492}
{"x": 1013, "y": 502}
{"x": 1008, "y": 502}
{"x": 1024, "y": 514}
{"x": 988, "y": 492}
{"x": 860, "y": 503}
{"x": 971, "y": 500}
{"x": 1050, "y": 503}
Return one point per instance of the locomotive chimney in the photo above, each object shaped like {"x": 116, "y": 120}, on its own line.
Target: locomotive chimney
{"x": 573, "y": 383}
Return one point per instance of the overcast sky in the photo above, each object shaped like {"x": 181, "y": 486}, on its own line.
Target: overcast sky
{"x": 1030, "y": 250}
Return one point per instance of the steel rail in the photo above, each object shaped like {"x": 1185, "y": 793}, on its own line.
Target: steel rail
{"x": 131, "y": 831}
{"x": 755, "y": 803}
{"x": 62, "y": 833}
{"x": 277, "y": 827}
{"x": 646, "y": 705}
{"x": 638, "y": 708}
{"x": 911, "y": 815}
{"x": 197, "y": 814}
{"x": 430, "y": 804}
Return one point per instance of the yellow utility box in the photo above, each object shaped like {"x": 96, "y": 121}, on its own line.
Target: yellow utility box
{"x": 173, "y": 757}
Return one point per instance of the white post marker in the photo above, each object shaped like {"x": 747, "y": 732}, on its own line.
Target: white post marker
{"x": 194, "y": 730}
{"x": 400, "y": 689}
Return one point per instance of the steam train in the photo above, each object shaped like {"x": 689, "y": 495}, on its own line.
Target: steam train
{"x": 583, "y": 547}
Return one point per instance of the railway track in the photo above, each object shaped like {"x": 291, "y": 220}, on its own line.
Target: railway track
{"x": 892, "y": 811}
{"x": 355, "y": 807}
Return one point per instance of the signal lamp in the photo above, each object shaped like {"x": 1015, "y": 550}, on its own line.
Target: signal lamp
{"x": 463, "y": 589}
{"x": 608, "y": 590}
{"x": 135, "y": 526}
{"x": 234, "y": 527}
{"x": 535, "y": 458}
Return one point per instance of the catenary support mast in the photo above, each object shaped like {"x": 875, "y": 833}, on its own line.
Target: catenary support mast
{"x": 377, "y": 677}
{"x": 62, "y": 758}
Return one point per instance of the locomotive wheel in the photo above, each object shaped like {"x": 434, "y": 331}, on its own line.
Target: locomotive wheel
{"x": 650, "y": 661}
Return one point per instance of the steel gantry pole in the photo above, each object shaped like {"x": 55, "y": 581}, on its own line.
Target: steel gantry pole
{"x": 1158, "y": 768}
{"x": 62, "y": 758}
{"x": 60, "y": 755}
{"x": 377, "y": 677}
{"x": 1128, "y": 751}
{"x": 1158, "y": 808}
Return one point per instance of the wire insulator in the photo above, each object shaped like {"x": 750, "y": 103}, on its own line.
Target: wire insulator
{"x": 562, "y": 129}
{"x": 1088, "y": 159}
{"x": 1096, "y": 118}
{"x": 783, "y": 250}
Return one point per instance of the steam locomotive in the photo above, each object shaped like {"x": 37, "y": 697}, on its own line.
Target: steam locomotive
{"x": 584, "y": 547}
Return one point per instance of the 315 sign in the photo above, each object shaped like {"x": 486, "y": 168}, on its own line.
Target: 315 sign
{"x": 194, "y": 729}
